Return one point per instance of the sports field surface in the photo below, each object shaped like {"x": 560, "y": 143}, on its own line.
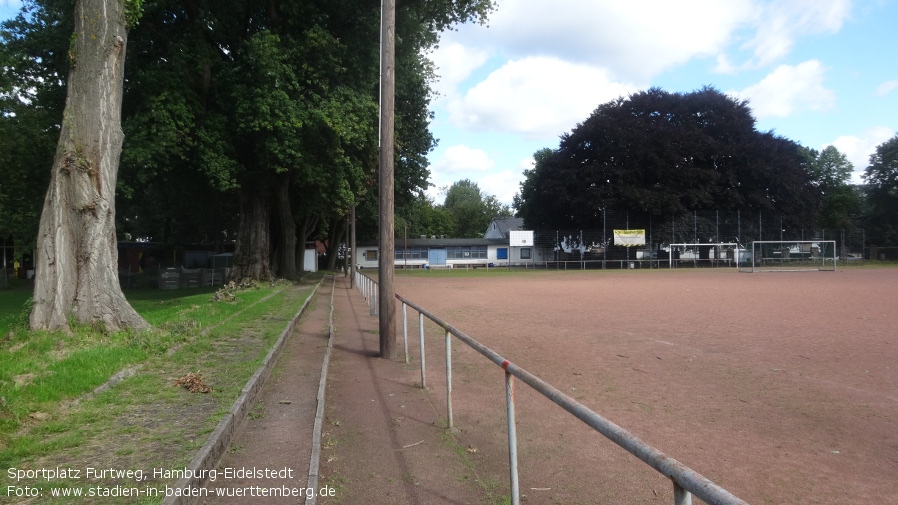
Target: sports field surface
{"x": 780, "y": 387}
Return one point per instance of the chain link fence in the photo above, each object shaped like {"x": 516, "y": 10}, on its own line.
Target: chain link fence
{"x": 581, "y": 249}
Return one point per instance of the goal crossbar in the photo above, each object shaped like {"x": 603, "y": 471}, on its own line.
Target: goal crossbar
{"x": 789, "y": 256}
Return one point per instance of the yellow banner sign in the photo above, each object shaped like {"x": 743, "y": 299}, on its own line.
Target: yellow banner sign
{"x": 628, "y": 238}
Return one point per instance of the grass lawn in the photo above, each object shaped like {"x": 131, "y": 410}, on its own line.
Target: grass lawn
{"x": 51, "y": 416}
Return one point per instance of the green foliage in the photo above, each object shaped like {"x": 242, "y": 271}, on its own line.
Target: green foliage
{"x": 662, "y": 154}
{"x": 133, "y": 12}
{"x": 227, "y": 97}
{"x": 424, "y": 217}
{"x": 33, "y": 56}
{"x": 471, "y": 209}
{"x": 882, "y": 193}
{"x": 153, "y": 422}
{"x": 832, "y": 173}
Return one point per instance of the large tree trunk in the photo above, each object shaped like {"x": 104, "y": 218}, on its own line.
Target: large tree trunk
{"x": 333, "y": 242}
{"x": 251, "y": 249}
{"x": 286, "y": 252}
{"x": 77, "y": 262}
{"x": 305, "y": 230}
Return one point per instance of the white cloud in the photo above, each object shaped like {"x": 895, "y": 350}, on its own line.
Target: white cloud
{"x": 859, "y": 149}
{"x": 462, "y": 158}
{"x": 503, "y": 184}
{"x": 461, "y": 162}
{"x": 538, "y": 98}
{"x": 779, "y": 24}
{"x": 634, "y": 41}
{"x": 455, "y": 63}
{"x": 457, "y": 162}
{"x": 886, "y": 87}
{"x": 789, "y": 89}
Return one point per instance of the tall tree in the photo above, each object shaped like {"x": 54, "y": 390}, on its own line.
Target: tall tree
{"x": 471, "y": 209}
{"x": 662, "y": 154}
{"x": 882, "y": 180}
{"x": 832, "y": 173}
{"x": 34, "y": 63}
{"x": 77, "y": 276}
{"x": 235, "y": 101}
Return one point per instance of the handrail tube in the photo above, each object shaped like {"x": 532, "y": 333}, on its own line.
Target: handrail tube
{"x": 682, "y": 476}
{"x": 687, "y": 478}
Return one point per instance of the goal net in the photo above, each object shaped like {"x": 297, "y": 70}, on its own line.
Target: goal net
{"x": 789, "y": 256}
{"x": 703, "y": 254}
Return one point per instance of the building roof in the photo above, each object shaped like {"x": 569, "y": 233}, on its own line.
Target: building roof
{"x": 440, "y": 242}
{"x": 500, "y": 227}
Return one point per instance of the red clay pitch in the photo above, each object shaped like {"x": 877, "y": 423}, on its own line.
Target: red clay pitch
{"x": 780, "y": 387}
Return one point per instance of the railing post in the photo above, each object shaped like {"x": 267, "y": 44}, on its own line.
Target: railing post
{"x": 512, "y": 440}
{"x": 421, "y": 332}
{"x": 373, "y": 301}
{"x": 405, "y": 329}
{"x": 449, "y": 379}
{"x": 681, "y": 496}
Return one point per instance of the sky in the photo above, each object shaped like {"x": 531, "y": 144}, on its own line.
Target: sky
{"x": 819, "y": 72}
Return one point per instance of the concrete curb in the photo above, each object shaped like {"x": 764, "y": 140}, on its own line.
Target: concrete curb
{"x": 210, "y": 454}
{"x": 315, "y": 460}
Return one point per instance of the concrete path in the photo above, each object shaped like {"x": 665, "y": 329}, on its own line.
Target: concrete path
{"x": 273, "y": 446}
{"x": 383, "y": 440}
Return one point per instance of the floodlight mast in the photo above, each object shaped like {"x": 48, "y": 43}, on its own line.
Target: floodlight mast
{"x": 386, "y": 298}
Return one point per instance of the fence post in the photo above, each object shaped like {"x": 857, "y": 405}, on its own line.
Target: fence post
{"x": 405, "y": 329}
{"x": 449, "y": 379}
{"x": 373, "y": 301}
{"x": 421, "y": 332}
{"x": 681, "y": 496}
{"x": 512, "y": 440}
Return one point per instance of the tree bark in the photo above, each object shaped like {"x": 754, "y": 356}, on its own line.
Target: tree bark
{"x": 251, "y": 261}
{"x": 333, "y": 242}
{"x": 77, "y": 261}
{"x": 286, "y": 252}
{"x": 308, "y": 226}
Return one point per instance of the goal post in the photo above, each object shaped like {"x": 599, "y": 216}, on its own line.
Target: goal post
{"x": 790, "y": 256}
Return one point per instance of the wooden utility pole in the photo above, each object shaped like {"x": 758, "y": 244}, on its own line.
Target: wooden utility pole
{"x": 352, "y": 259}
{"x": 386, "y": 297}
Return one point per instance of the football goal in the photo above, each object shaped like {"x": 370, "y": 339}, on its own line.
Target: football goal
{"x": 789, "y": 256}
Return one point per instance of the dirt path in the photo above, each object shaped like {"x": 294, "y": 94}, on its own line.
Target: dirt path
{"x": 276, "y": 437}
{"x": 384, "y": 440}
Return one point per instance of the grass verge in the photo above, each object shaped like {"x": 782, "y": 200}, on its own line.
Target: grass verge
{"x": 53, "y": 417}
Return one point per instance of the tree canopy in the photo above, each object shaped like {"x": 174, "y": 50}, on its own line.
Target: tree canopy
{"x": 882, "y": 179}
{"x": 471, "y": 210}
{"x": 841, "y": 202}
{"x": 247, "y": 121}
{"x": 665, "y": 153}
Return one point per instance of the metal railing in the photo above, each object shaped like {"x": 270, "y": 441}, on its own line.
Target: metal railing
{"x": 686, "y": 482}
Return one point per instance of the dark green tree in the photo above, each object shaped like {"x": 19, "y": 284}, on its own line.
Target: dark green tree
{"x": 424, "y": 217}
{"x": 248, "y": 121}
{"x": 34, "y": 65}
{"x": 881, "y": 177}
{"x": 663, "y": 154}
{"x": 832, "y": 173}
{"x": 471, "y": 209}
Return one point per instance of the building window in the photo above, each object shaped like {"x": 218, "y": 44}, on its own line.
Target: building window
{"x": 371, "y": 255}
{"x": 412, "y": 253}
{"x": 467, "y": 253}
{"x": 526, "y": 253}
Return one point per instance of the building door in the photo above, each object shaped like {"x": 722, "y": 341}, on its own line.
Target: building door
{"x": 436, "y": 256}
